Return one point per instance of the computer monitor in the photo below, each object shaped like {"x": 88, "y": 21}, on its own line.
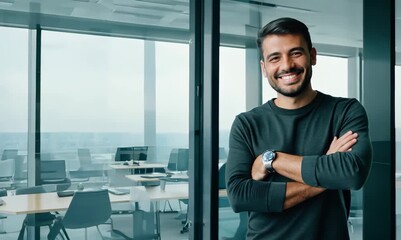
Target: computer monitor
{"x": 140, "y": 153}
{"x": 136, "y": 153}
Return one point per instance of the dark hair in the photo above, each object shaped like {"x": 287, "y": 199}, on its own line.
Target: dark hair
{"x": 283, "y": 26}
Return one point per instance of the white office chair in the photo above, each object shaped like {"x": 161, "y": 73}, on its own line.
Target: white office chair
{"x": 7, "y": 170}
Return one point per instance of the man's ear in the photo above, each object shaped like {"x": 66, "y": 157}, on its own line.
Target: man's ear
{"x": 262, "y": 68}
{"x": 313, "y": 56}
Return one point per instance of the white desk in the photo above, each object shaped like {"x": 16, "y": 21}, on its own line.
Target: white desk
{"x": 132, "y": 167}
{"x": 44, "y": 202}
{"x": 49, "y": 202}
{"x": 143, "y": 179}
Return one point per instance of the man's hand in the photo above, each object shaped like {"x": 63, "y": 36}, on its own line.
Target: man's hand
{"x": 343, "y": 144}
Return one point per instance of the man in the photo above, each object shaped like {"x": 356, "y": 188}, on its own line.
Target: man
{"x": 291, "y": 159}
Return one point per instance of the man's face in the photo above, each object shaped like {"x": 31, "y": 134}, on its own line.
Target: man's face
{"x": 287, "y": 63}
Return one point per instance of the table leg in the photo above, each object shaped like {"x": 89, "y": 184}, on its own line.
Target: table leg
{"x": 158, "y": 220}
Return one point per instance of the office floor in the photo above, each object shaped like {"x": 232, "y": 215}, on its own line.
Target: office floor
{"x": 170, "y": 229}
{"x": 171, "y": 226}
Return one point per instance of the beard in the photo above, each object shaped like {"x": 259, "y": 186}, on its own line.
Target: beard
{"x": 295, "y": 92}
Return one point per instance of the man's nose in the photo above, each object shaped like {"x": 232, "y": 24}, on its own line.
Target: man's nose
{"x": 287, "y": 63}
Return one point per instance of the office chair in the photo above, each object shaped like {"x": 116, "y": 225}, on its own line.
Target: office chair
{"x": 54, "y": 172}
{"x": 7, "y": 170}
{"x": 9, "y": 154}
{"x": 87, "y": 168}
{"x": 178, "y": 160}
{"x": 38, "y": 220}
{"x": 87, "y": 209}
{"x": 85, "y": 158}
{"x": 177, "y": 163}
{"x": 20, "y": 168}
{"x": 3, "y": 193}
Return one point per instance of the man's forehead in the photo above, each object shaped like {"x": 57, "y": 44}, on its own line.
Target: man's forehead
{"x": 283, "y": 42}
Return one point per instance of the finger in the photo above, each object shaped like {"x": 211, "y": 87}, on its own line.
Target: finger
{"x": 347, "y": 145}
{"x": 345, "y": 139}
{"x": 346, "y": 135}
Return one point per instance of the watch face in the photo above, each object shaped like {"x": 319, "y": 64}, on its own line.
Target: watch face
{"x": 269, "y": 155}
{"x": 268, "y": 158}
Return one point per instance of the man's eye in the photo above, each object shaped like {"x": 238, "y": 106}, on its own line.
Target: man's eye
{"x": 274, "y": 59}
{"x": 296, "y": 54}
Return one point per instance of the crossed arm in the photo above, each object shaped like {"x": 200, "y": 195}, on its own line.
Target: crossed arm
{"x": 290, "y": 166}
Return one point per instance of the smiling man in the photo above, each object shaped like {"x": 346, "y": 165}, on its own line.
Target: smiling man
{"x": 293, "y": 160}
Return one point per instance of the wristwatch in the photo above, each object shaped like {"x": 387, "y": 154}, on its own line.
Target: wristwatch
{"x": 268, "y": 157}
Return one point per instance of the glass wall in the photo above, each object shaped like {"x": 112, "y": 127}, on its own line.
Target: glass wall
{"x": 14, "y": 102}
{"x": 92, "y": 101}
{"x": 102, "y": 94}
{"x": 114, "y": 105}
{"x": 14, "y": 117}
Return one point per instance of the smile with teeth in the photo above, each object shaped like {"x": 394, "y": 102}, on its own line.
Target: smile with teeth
{"x": 291, "y": 76}
{"x": 288, "y": 77}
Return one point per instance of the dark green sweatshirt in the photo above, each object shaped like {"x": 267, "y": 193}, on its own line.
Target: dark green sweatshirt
{"x": 308, "y": 132}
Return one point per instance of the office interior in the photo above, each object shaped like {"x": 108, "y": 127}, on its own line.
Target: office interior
{"x": 81, "y": 78}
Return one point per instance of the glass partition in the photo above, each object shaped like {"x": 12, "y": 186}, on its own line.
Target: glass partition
{"x": 14, "y": 117}
{"x": 104, "y": 97}
{"x": 14, "y": 104}
{"x": 92, "y": 101}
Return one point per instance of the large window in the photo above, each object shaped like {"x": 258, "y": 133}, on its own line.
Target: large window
{"x": 103, "y": 95}
{"x": 92, "y": 100}
{"x": 14, "y": 103}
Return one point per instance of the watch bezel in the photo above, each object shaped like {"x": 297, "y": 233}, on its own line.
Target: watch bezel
{"x": 268, "y": 157}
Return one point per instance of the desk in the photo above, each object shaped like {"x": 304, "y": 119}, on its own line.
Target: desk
{"x": 49, "y": 202}
{"x": 44, "y": 202}
{"x": 143, "y": 179}
{"x": 132, "y": 167}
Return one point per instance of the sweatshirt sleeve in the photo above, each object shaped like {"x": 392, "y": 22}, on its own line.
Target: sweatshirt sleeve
{"x": 244, "y": 193}
{"x": 343, "y": 170}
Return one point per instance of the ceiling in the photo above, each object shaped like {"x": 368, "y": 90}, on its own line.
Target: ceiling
{"x": 335, "y": 23}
